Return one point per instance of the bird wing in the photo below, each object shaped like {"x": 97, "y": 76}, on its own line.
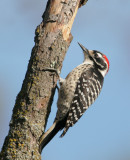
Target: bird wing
{"x": 87, "y": 89}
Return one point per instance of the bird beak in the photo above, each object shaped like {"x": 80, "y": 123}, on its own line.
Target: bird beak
{"x": 83, "y": 48}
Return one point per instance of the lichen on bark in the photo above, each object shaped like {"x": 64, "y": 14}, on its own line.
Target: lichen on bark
{"x": 33, "y": 103}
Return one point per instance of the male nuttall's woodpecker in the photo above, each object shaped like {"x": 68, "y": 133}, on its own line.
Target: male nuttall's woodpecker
{"x": 77, "y": 92}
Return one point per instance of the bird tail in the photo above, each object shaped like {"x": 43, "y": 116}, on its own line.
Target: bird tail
{"x": 51, "y": 132}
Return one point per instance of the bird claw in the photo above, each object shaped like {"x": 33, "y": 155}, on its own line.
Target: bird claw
{"x": 56, "y": 71}
{"x": 57, "y": 88}
{"x": 52, "y": 70}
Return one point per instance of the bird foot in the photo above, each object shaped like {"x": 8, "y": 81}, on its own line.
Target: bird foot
{"x": 52, "y": 70}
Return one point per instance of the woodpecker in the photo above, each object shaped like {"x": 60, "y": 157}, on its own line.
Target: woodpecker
{"x": 77, "y": 92}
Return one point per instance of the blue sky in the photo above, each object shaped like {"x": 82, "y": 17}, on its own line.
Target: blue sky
{"x": 103, "y": 132}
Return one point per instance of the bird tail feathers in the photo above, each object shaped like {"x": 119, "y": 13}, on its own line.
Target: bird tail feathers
{"x": 51, "y": 132}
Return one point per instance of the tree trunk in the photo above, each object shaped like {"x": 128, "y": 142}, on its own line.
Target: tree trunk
{"x": 33, "y": 103}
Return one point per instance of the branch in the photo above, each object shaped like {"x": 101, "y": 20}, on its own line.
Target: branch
{"x": 33, "y": 103}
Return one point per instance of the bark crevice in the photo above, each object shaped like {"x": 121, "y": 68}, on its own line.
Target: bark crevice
{"x": 33, "y": 103}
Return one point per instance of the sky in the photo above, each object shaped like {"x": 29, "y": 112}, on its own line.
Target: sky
{"x": 103, "y": 131}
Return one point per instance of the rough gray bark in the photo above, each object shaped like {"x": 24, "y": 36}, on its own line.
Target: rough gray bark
{"x": 33, "y": 103}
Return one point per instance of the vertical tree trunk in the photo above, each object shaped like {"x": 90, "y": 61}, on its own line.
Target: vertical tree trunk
{"x": 33, "y": 103}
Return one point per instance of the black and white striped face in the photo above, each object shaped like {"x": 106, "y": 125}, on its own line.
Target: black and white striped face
{"x": 100, "y": 60}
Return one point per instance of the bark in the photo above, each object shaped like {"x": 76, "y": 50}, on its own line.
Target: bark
{"x": 33, "y": 103}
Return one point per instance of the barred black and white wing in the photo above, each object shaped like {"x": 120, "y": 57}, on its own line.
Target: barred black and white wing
{"x": 88, "y": 88}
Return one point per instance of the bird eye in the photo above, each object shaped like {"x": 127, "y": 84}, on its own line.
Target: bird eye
{"x": 96, "y": 56}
